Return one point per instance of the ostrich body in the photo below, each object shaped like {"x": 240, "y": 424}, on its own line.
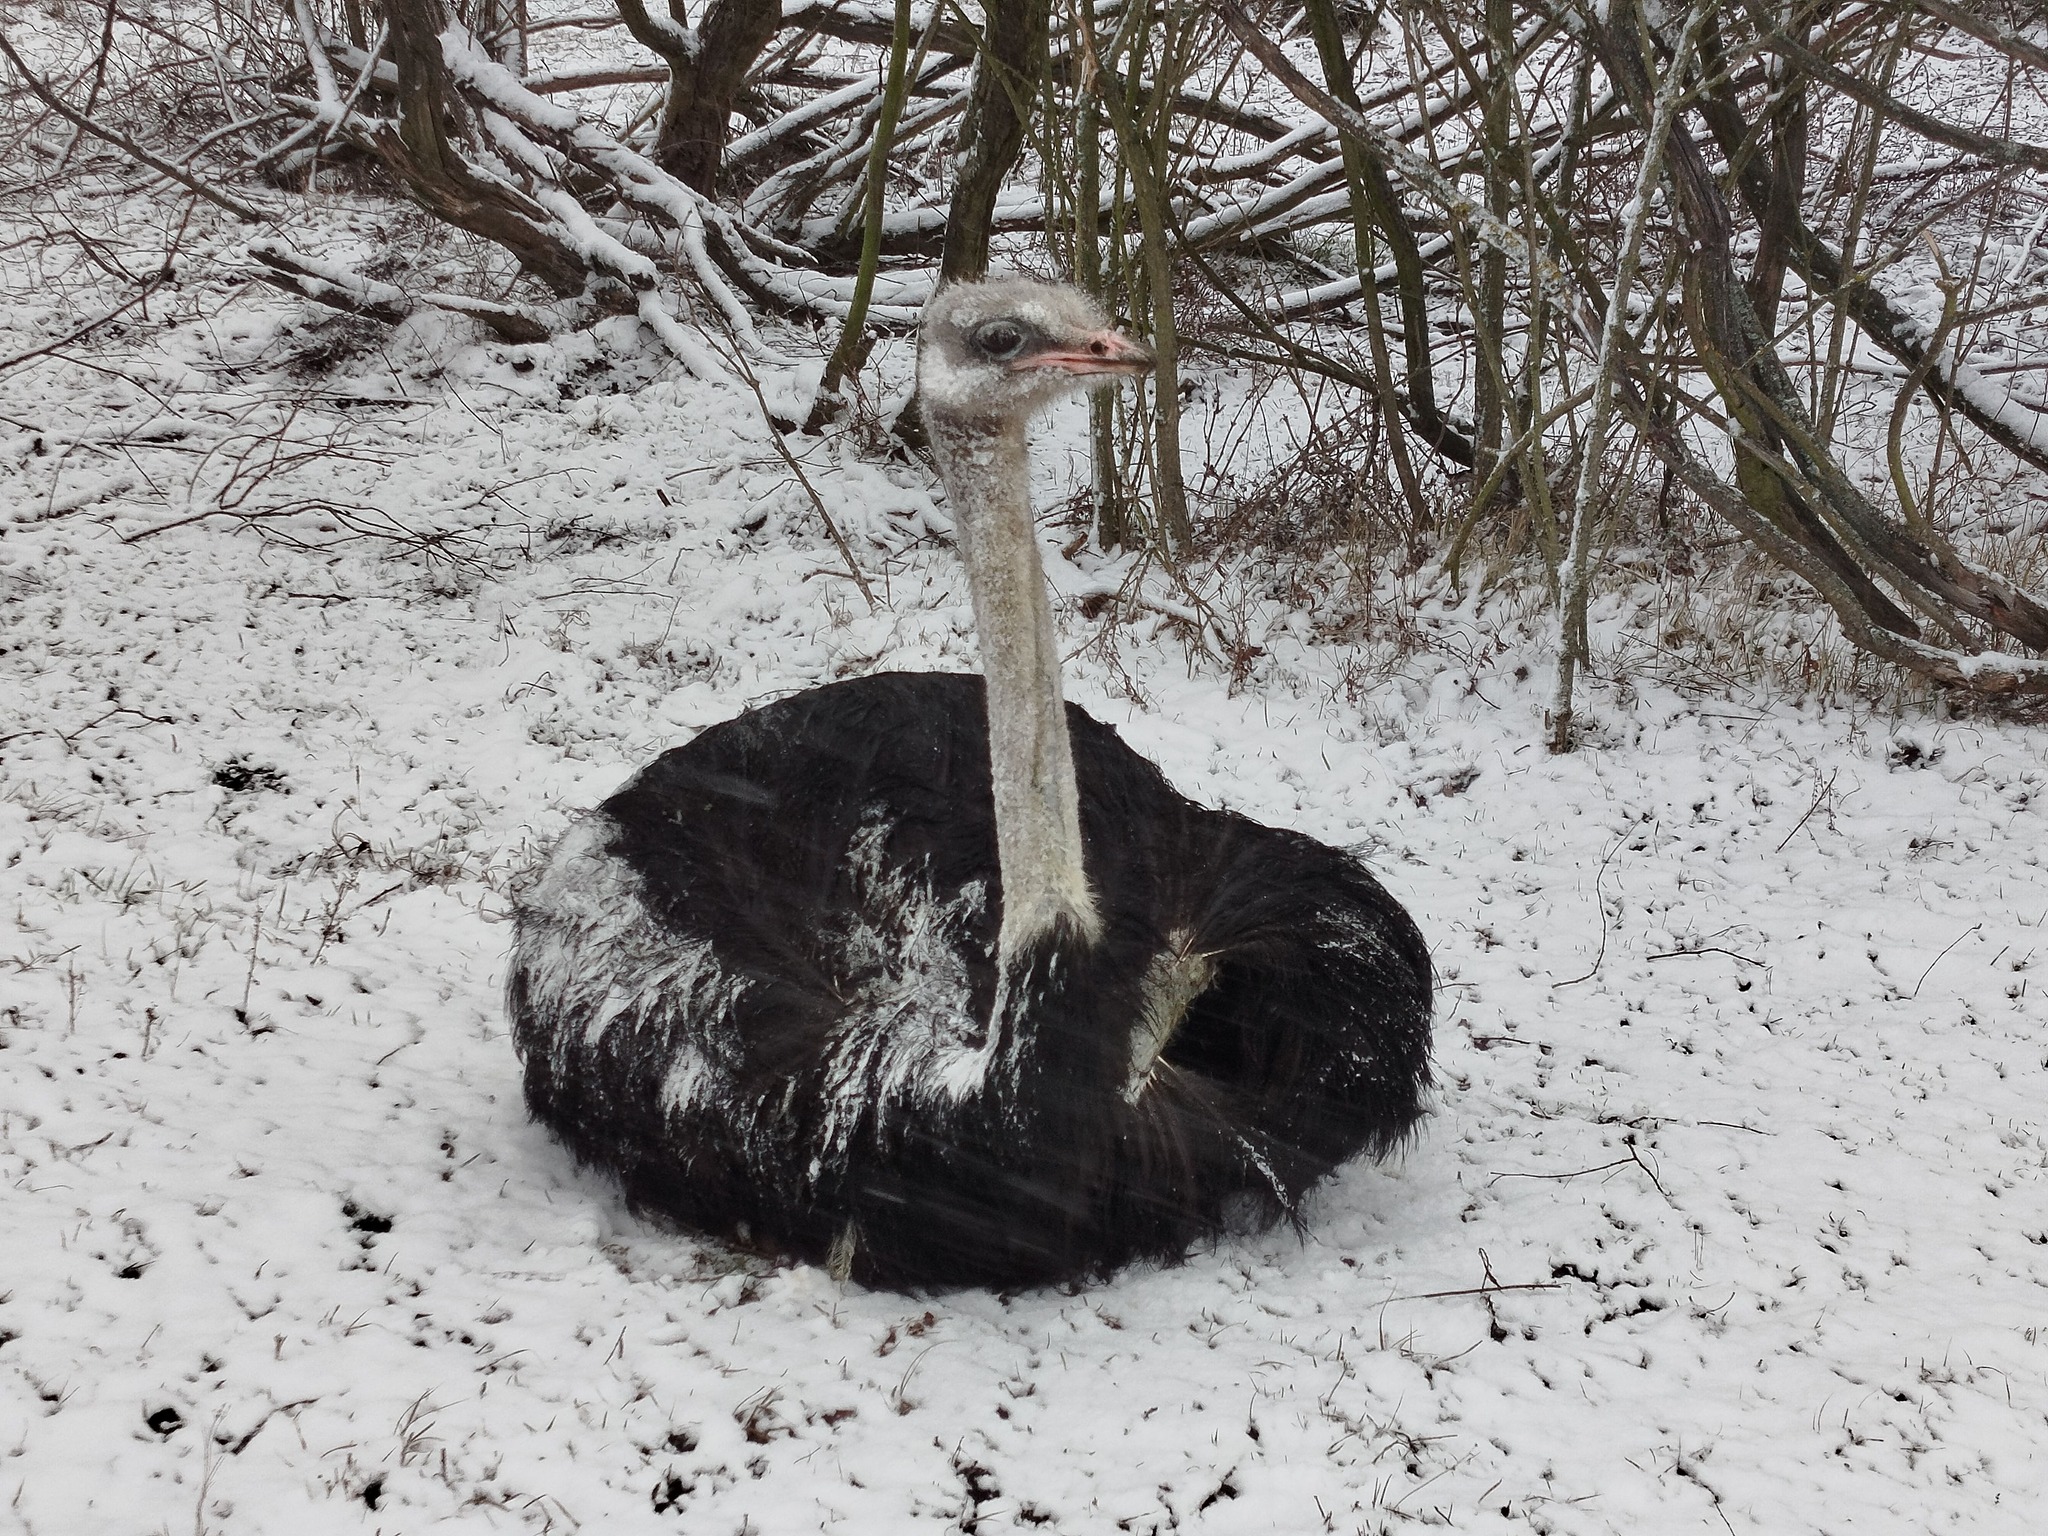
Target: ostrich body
{"x": 933, "y": 980}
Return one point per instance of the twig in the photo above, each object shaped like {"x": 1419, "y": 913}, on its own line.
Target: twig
{"x": 1634, "y": 1157}
{"x": 1818, "y": 800}
{"x": 1599, "y": 901}
{"x": 69, "y": 738}
{"x": 249, "y": 980}
{"x": 1704, "y": 949}
{"x": 1573, "y": 647}
{"x": 1576, "y": 1173}
{"x": 1478, "y": 1290}
{"x": 1951, "y": 944}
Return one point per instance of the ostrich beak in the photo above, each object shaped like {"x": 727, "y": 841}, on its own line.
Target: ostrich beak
{"x": 1097, "y": 352}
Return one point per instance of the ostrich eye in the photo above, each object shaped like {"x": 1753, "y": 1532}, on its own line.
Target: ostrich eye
{"x": 1000, "y": 339}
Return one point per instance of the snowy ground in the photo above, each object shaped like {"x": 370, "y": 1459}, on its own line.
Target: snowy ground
{"x": 1732, "y": 1215}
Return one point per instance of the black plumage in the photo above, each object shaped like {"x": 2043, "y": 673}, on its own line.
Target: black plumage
{"x": 785, "y": 838}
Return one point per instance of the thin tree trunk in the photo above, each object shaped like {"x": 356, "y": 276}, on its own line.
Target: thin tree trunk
{"x": 1322, "y": 20}
{"x": 854, "y": 342}
{"x": 1490, "y": 384}
{"x": 1106, "y": 479}
{"x": 1148, "y": 197}
{"x": 1572, "y": 648}
{"x": 1410, "y": 278}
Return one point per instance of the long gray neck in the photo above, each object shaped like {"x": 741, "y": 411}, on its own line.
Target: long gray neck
{"x": 986, "y": 469}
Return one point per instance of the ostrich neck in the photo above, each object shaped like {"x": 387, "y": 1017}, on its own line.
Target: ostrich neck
{"x": 986, "y": 468}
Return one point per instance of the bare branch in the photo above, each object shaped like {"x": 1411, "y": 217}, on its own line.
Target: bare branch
{"x": 184, "y": 175}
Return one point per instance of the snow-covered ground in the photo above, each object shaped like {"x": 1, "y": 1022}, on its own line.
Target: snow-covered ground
{"x": 1732, "y": 1216}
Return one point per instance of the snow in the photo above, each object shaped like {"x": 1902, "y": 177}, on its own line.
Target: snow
{"x": 1730, "y": 1216}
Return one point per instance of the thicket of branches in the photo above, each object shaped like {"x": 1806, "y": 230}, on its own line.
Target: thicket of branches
{"x": 1779, "y": 259}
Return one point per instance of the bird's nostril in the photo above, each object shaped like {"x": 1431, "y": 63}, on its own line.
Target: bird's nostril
{"x": 1099, "y": 348}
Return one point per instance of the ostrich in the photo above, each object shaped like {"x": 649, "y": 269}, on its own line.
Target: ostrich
{"x": 930, "y": 979}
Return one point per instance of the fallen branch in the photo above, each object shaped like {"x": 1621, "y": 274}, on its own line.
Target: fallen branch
{"x": 325, "y": 283}
{"x": 339, "y": 288}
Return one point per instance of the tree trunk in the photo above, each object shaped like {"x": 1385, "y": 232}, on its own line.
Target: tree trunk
{"x": 500, "y": 25}
{"x": 854, "y": 342}
{"x": 1329, "y": 40}
{"x": 418, "y": 151}
{"x": 706, "y": 68}
{"x": 1383, "y": 203}
{"x": 1007, "y": 72}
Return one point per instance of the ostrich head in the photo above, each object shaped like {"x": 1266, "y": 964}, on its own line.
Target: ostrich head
{"x": 1003, "y": 349}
